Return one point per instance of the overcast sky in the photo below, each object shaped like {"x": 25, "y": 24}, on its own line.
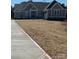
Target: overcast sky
{"x": 13, "y": 2}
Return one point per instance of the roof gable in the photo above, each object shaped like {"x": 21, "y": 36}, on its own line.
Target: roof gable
{"x": 57, "y": 6}
{"x": 40, "y": 5}
{"x": 30, "y": 6}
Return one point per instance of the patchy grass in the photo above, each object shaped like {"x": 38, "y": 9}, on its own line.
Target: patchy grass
{"x": 50, "y": 35}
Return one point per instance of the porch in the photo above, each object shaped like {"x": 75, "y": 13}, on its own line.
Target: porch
{"x": 29, "y": 14}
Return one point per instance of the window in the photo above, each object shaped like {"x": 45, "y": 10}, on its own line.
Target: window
{"x": 64, "y": 12}
{"x": 49, "y": 12}
{"x": 52, "y": 12}
{"x": 57, "y": 12}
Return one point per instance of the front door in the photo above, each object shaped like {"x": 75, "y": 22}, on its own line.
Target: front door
{"x": 27, "y": 14}
{"x": 33, "y": 14}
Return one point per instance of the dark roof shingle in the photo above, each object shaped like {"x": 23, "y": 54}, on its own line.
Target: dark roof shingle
{"x": 39, "y": 5}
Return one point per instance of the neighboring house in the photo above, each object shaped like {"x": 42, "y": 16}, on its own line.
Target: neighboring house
{"x": 39, "y": 10}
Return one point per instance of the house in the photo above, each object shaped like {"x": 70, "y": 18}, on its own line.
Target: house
{"x": 39, "y": 10}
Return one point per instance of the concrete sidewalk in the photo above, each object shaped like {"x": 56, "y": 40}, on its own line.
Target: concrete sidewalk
{"x": 22, "y": 46}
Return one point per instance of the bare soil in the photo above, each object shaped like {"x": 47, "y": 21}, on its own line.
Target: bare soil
{"x": 50, "y": 35}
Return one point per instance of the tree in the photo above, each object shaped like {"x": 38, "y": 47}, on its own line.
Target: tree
{"x": 12, "y": 13}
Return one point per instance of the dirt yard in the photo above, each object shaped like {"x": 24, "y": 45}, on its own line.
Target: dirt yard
{"x": 50, "y": 35}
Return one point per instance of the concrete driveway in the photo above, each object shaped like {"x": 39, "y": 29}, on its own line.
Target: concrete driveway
{"x": 23, "y": 47}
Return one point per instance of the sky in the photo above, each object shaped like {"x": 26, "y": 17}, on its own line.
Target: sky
{"x": 13, "y": 2}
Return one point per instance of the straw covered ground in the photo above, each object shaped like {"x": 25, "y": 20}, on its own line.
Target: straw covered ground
{"x": 50, "y": 35}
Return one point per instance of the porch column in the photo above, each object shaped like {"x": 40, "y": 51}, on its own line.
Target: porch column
{"x": 46, "y": 16}
{"x": 30, "y": 14}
